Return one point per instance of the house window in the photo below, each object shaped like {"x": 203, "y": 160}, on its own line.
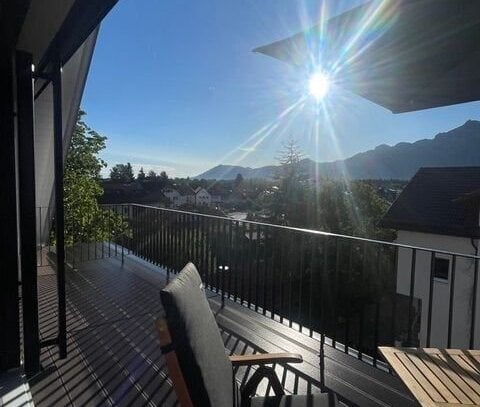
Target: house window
{"x": 441, "y": 268}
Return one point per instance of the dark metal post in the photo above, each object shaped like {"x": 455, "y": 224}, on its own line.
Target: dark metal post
{"x": 412, "y": 293}
{"x": 474, "y": 304}
{"x": 323, "y": 280}
{"x": 27, "y": 215}
{"x": 59, "y": 206}
{"x": 9, "y": 313}
{"x": 430, "y": 299}
{"x": 450, "y": 307}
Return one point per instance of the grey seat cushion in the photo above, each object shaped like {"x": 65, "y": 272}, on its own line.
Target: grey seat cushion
{"x": 311, "y": 400}
{"x": 199, "y": 346}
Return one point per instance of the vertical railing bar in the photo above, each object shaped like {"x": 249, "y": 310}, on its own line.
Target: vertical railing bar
{"x": 181, "y": 240}
{"x": 103, "y": 240}
{"x": 266, "y": 264}
{"x": 313, "y": 270}
{"x": 191, "y": 237}
{"x": 197, "y": 239}
{"x": 39, "y": 242}
{"x": 290, "y": 279}
{"x": 300, "y": 286}
{"x": 347, "y": 289}
{"x": 235, "y": 259}
{"x": 377, "y": 305}
{"x": 230, "y": 258}
{"x": 450, "y": 306}
{"x": 257, "y": 266}
{"x": 412, "y": 293}
{"x": 394, "y": 299}
{"x": 171, "y": 250}
{"x": 244, "y": 259}
{"x": 156, "y": 228}
{"x": 474, "y": 304}
{"x": 180, "y": 227}
{"x": 207, "y": 250}
{"x": 250, "y": 264}
{"x": 204, "y": 248}
{"x": 322, "y": 279}
{"x": 123, "y": 238}
{"x": 335, "y": 316}
{"x": 153, "y": 236}
{"x": 361, "y": 320}
{"x": 162, "y": 238}
{"x": 185, "y": 252}
{"x": 274, "y": 264}
{"x": 283, "y": 244}
{"x": 148, "y": 235}
{"x": 430, "y": 298}
{"x": 224, "y": 241}
{"x": 170, "y": 253}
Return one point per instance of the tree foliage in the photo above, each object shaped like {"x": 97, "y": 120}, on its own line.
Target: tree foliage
{"x": 122, "y": 173}
{"x": 141, "y": 175}
{"x": 337, "y": 206}
{"x": 288, "y": 198}
{"x": 85, "y": 220}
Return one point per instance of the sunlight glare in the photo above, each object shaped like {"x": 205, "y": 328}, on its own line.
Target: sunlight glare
{"x": 318, "y": 85}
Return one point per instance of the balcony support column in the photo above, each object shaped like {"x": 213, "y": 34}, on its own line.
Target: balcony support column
{"x": 27, "y": 215}
{"x": 59, "y": 205}
{"x": 9, "y": 310}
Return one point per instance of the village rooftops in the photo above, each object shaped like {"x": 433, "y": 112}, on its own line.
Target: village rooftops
{"x": 443, "y": 201}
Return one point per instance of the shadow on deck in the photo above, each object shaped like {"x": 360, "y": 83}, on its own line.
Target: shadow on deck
{"x": 114, "y": 357}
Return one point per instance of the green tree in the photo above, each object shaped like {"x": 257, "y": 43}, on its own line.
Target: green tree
{"x": 122, "y": 173}
{"x": 85, "y": 220}
{"x": 288, "y": 200}
{"x": 238, "y": 181}
{"x": 164, "y": 176}
{"x": 151, "y": 175}
{"x": 141, "y": 175}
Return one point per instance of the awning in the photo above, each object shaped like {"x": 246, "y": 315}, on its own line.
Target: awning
{"x": 403, "y": 55}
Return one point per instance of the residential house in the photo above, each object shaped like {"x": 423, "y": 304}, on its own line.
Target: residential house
{"x": 202, "y": 197}
{"x": 174, "y": 197}
{"x": 439, "y": 209}
{"x": 180, "y": 195}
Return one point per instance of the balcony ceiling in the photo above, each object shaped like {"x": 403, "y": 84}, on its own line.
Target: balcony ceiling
{"x": 43, "y": 20}
{"x": 403, "y": 55}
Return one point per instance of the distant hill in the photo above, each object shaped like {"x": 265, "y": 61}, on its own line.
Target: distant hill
{"x": 457, "y": 147}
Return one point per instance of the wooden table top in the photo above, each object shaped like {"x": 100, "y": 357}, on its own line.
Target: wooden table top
{"x": 438, "y": 377}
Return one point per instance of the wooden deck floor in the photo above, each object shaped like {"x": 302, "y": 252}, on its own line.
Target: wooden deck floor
{"x": 114, "y": 357}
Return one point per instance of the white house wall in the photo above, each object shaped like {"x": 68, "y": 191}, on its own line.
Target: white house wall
{"x": 463, "y": 288}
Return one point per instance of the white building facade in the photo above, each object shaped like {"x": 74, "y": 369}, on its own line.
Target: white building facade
{"x": 462, "y": 279}
{"x": 439, "y": 211}
{"x": 202, "y": 197}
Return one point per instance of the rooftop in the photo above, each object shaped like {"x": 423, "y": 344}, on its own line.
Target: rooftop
{"x": 434, "y": 202}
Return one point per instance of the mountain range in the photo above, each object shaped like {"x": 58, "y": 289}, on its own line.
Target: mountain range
{"x": 457, "y": 147}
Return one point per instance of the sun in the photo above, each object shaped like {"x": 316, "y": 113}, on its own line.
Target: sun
{"x": 318, "y": 85}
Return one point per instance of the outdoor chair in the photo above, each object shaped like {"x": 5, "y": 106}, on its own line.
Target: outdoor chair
{"x": 201, "y": 372}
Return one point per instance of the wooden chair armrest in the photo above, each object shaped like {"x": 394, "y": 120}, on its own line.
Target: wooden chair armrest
{"x": 265, "y": 359}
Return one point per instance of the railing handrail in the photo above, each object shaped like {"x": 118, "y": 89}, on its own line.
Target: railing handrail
{"x": 313, "y": 232}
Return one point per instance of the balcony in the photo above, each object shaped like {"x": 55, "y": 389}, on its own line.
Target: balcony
{"x": 272, "y": 289}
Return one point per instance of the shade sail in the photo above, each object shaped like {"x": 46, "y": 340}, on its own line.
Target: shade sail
{"x": 404, "y": 55}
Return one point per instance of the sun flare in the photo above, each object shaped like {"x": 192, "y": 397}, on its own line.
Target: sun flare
{"x": 318, "y": 85}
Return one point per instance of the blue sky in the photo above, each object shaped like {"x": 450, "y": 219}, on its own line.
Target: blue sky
{"x": 175, "y": 86}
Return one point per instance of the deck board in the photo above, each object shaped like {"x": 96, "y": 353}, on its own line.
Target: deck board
{"x": 114, "y": 357}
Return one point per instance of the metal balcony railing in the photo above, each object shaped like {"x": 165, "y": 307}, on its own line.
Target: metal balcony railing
{"x": 359, "y": 293}
{"x": 352, "y": 293}
{"x": 84, "y": 248}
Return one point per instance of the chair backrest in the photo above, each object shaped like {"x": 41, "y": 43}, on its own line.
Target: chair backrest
{"x": 196, "y": 341}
